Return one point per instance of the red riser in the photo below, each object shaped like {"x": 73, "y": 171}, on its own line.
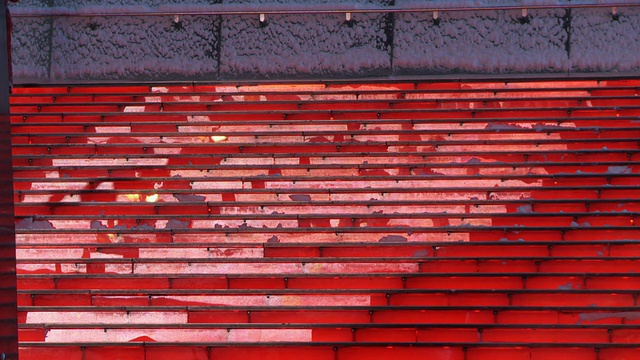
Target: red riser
{"x": 425, "y": 206}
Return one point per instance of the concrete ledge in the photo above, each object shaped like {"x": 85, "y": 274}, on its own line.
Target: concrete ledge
{"x": 321, "y": 45}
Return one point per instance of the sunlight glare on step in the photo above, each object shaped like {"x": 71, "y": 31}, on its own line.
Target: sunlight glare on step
{"x": 218, "y": 138}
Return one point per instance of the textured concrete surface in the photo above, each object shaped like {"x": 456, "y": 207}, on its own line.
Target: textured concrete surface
{"x": 482, "y": 42}
{"x": 31, "y": 43}
{"x": 602, "y": 42}
{"x": 319, "y": 46}
{"x": 130, "y": 48}
{"x": 135, "y": 48}
{"x": 306, "y": 45}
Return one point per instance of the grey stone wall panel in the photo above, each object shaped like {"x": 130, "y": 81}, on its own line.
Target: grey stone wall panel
{"x": 31, "y": 43}
{"x": 305, "y": 46}
{"x": 601, "y": 42}
{"x": 134, "y": 48}
{"x": 319, "y": 46}
{"x": 480, "y": 42}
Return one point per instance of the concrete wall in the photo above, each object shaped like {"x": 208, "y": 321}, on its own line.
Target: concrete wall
{"x": 320, "y": 46}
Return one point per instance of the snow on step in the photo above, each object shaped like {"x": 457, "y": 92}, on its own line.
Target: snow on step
{"x": 270, "y": 215}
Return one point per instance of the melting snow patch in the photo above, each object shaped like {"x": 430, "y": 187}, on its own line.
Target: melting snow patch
{"x": 619, "y": 170}
{"x": 626, "y": 315}
{"x": 468, "y": 225}
{"x": 568, "y": 286}
{"x": 393, "y": 239}
{"x": 189, "y": 197}
{"x": 143, "y": 227}
{"x": 30, "y": 224}
{"x": 524, "y": 209}
{"x": 97, "y": 225}
{"x": 177, "y": 224}
{"x": 541, "y": 128}
{"x": 300, "y": 197}
{"x": 499, "y": 127}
